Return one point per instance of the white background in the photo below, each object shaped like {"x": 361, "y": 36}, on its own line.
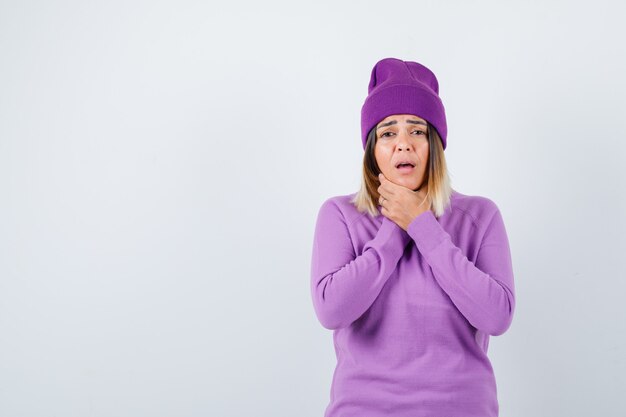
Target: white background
{"x": 162, "y": 165}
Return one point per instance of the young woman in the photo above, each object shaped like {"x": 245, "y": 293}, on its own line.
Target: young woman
{"x": 411, "y": 275}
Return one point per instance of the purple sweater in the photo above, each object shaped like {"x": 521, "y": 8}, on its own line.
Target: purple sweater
{"x": 412, "y": 310}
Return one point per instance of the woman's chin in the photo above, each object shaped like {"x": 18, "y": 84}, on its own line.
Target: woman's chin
{"x": 409, "y": 183}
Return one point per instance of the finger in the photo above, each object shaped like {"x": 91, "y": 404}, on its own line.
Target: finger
{"x": 382, "y": 194}
{"x": 388, "y": 188}
{"x": 381, "y": 190}
{"x": 384, "y": 180}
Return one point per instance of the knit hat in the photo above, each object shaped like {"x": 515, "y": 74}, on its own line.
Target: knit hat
{"x": 402, "y": 87}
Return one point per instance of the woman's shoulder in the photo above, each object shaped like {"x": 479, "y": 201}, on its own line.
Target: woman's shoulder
{"x": 341, "y": 200}
{"x": 343, "y": 205}
{"x": 480, "y": 208}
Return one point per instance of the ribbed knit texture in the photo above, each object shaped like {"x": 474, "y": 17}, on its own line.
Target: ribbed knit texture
{"x": 412, "y": 312}
{"x": 402, "y": 87}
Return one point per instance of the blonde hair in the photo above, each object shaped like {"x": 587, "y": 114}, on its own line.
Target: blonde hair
{"x": 438, "y": 180}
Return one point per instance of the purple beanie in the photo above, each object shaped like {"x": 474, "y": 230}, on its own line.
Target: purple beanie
{"x": 402, "y": 87}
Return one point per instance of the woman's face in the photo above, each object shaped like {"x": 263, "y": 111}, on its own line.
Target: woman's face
{"x": 402, "y": 138}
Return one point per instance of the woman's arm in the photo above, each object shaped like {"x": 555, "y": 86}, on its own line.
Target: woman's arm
{"x": 483, "y": 292}
{"x": 343, "y": 285}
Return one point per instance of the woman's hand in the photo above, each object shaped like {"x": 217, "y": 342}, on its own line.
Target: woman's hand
{"x": 401, "y": 204}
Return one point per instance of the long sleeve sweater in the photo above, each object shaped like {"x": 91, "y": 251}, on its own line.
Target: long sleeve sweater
{"x": 412, "y": 311}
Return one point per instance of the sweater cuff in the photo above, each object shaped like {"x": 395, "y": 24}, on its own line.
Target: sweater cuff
{"x": 426, "y": 231}
{"x": 391, "y": 238}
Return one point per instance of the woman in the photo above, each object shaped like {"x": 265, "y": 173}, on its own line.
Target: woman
{"x": 412, "y": 276}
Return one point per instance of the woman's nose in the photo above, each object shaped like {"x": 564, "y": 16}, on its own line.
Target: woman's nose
{"x": 403, "y": 141}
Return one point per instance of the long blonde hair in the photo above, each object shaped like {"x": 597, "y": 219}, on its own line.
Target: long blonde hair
{"x": 438, "y": 180}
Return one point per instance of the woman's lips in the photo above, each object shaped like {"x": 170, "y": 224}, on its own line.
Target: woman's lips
{"x": 406, "y": 169}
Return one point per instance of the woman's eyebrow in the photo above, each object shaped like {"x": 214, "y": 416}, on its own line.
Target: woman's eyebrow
{"x": 393, "y": 122}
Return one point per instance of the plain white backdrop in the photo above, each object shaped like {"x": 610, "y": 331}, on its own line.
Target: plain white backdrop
{"x": 162, "y": 165}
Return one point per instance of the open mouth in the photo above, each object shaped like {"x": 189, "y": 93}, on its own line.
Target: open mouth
{"x": 405, "y": 166}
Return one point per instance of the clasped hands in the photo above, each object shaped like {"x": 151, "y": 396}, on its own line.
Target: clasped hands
{"x": 401, "y": 204}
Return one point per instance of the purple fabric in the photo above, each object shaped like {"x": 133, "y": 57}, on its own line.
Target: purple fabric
{"x": 412, "y": 312}
{"x": 402, "y": 87}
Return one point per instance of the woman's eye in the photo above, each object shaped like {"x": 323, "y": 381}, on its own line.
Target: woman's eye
{"x": 385, "y": 134}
